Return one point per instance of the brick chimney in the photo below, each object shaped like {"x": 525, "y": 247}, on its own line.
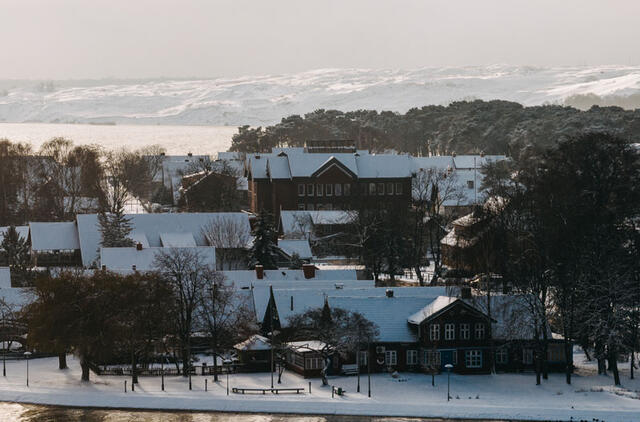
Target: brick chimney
{"x": 389, "y": 292}
{"x": 139, "y": 246}
{"x": 259, "y": 272}
{"x": 133, "y": 267}
{"x": 309, "y": 271}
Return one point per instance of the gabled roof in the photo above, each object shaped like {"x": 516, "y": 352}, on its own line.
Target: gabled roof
{"x": 13, "y": 296}
{"x": 330, "y": 163}
{"x": 298, "y": 224}
{"x": 307, "y": 346}
{"x": 439, "y": 306}
{"x": 248, "y": 277}
{"x": 54, "y": 236}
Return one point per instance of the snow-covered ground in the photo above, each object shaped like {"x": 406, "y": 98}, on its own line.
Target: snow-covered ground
{"x": 265, "y": 99}
{"x": 504, "y": 396}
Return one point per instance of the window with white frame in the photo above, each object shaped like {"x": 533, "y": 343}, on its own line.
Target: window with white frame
{"x": 310, "y": 189}
{"x": 449, "y": 331}
{"x": 527, "y": 356}
{"x": 380, "y": 188}
{"x": 390, "y": 357}
{"x": 300, "y": 189}
{"x": 465, "y": 331}
{"x": 431, "y": 358}
{"x": 301, "y": 207}
{"x": 319, "y": 190}
{"x": 412, "y": 357}
{"x": 313, "y": 363}
{"x": 372, "y": 188}
{"x": 473, "y": 358}
{"x": 479, "y": 331}
{"x": 502, "y": 355}
{"x": 363, "y": 357}
{"x": 328, "y": 189}
{"x": 337, "y": 190}
{"x": 434, "y": 332}
{"x": 398, "y": 188}
{"x": 389, "y": 188}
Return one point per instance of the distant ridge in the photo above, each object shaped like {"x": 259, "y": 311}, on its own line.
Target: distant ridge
{"x": 260, "y": 100}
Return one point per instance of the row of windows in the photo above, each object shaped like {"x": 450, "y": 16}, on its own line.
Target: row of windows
{"x": 328, "y": 189}
{"x": 340, "y": 189}
{"x": 450, "y": 331}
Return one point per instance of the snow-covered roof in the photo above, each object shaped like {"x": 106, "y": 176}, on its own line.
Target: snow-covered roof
{"x": 439, "y": 162}
{"x": 307, "y": 346}
{"x": 247, "y": 277}
{"x": 14, "y": 297}
{"x": 152, "y": 226}
{"x": 177, "y": 240}
{"x": 437, "y": 305}
{"x": 54, "y": 236}
{"x": 388, "y": 313}
{"x": 23, "y": 232}
{"x": 384, "y": 165}
{"x": 296, "y": 246}
{"x": 295, "y": 300}
{"x": 297, "y": 224}
{"x": 123, "y": 259}
{"x": 475, "y": 161}
{"x": 254, "y": 343}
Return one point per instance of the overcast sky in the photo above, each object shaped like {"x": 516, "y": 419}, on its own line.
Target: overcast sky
{"x": 62, "y": 39}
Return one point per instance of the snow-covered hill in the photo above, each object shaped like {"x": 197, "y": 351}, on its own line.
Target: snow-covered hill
{"x": 265, "y": 99}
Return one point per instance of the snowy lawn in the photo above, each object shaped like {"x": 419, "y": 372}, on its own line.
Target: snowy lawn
{"x": 508, "y": 396}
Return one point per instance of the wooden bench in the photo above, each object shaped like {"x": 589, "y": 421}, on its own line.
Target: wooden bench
{"x": 349, "y": 369}
{"x": 240, "y": 390}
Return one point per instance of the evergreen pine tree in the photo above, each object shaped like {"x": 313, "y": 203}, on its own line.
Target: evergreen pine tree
{"x": 264, "y": 250}
{"x": 16, "y": 251}
{"x": 115, "y": 228}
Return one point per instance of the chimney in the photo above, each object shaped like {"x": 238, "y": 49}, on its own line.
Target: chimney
{"x": 389, "y": 292}
{"x": 292, "y": 303}
{"x": 465, "y": 292}
{"x": 138, "y": 246}
{"x": 259, "y": 272}
{"x": 104, "y": 268}
{"x": 190, "y": 154}
{"x": 309, "y": 271}
{"x": 133, "y": 267}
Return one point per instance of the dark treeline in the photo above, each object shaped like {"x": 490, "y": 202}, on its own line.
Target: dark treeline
{"x": 563, "y": 231}
{"x": 61, "y": 179}
{"x": 493, "y": 127}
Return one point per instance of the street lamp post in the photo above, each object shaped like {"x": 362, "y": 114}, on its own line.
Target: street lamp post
{"x": 369, "y": 368}
{"x": 227, "y": 363}
{"x": 162, "y": 372}
{"x": 4, "y": 346}
{"x": 26, "y": 355}
{"x": 449, "y": 367}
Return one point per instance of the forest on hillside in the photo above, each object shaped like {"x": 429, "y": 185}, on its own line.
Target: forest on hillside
{"x": 492, "y": 127}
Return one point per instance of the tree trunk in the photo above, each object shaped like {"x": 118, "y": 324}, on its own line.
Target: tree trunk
{"x": 633, "y": 364}
{"x": 419, "y": 274}
{"x": 568, "y": 353}
{"x": 62, "y": 361}
{"x": 85, "y": 370}
{"x": 613, "y": 365}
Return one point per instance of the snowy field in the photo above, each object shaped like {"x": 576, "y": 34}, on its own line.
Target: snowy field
{"x": 504, "y": 396}
{"x": 265, "y": 99}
